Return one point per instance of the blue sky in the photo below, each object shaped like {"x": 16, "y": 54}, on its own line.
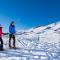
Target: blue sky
{"x": 29, "y": 13}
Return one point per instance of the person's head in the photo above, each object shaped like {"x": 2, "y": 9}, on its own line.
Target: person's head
{"x": 12, "y": 23}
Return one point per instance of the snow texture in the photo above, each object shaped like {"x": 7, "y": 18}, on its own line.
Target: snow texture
{"x": 40, "y": 43}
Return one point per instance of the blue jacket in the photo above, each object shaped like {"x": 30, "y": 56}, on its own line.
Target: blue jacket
{"x": 12, "y": 29}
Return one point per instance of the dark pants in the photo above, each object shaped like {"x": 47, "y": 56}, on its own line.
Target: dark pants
{"x": 11, "y": 36}
{"x": 1, "y": 44}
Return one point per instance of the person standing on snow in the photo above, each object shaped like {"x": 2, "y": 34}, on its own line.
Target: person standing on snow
{"x": 12, "y": 34}
{"x": 1, "y": 41}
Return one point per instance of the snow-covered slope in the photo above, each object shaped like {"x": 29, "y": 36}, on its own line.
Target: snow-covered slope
{"x": 39, "y": 35}
{"x": 49, "y": 33}
{"x": 40, "y": 43}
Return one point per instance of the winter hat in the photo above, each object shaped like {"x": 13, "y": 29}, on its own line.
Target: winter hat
{"x": 0, "y": 25}
{"x": 12, "y": 22}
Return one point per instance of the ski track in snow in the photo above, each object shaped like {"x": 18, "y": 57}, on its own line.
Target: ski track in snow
{"x": 29, "y": 54}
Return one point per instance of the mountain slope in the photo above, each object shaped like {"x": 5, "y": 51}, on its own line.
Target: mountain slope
{"x": 40, "y": 43}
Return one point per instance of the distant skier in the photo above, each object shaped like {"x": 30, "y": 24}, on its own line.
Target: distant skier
{"x": 12, "y": 34}
{"x": 1, "y": 41}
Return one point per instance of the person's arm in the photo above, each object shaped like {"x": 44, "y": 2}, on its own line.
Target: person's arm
{"x": 14, "y": 30}
{"x": 5, "y": 33}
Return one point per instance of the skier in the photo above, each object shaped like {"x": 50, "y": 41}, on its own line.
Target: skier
{"x": 12, "y": 34}
{"x": 1, "y": 41}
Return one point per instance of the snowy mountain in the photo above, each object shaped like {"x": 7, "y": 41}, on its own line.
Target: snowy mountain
{"x": 40, "y": 43}
{"x": 49, "y": 33}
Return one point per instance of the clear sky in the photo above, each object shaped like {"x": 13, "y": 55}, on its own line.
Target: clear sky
{"x": 29, "y": 13}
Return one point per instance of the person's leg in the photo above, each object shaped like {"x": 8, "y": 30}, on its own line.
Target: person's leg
{"x": 1, "y": 44}
{"x": 10, "y": 36}
{"x": 14, "y": 41}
